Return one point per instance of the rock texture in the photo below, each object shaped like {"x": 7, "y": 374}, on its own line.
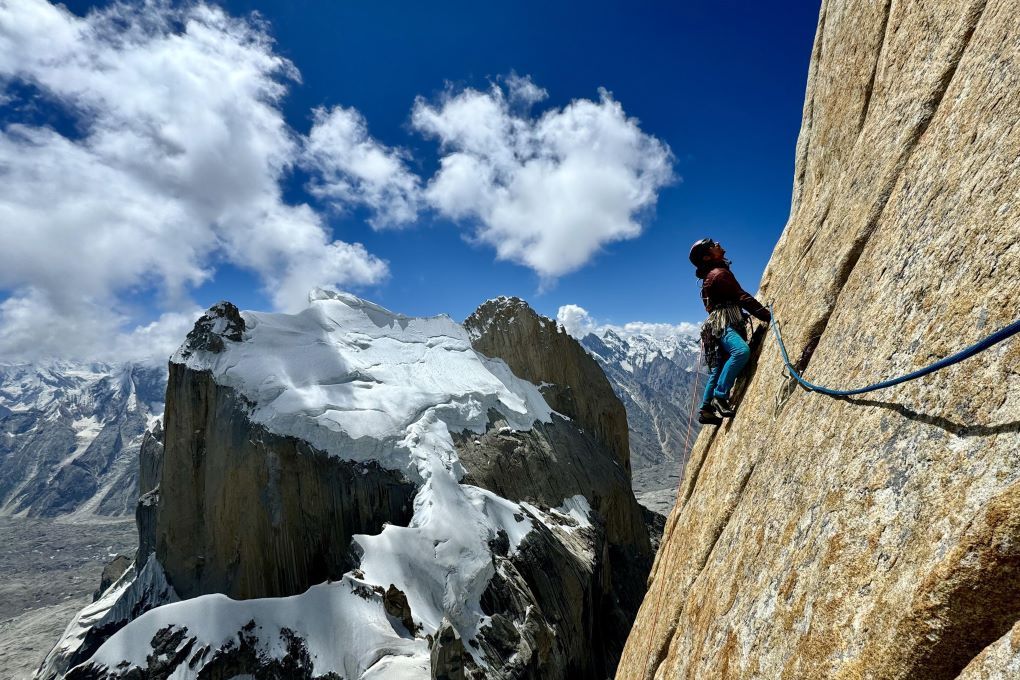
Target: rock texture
{"x": 998, "y": 661}
{"x": 536, "y": 350}
{"x": 870, "y": 537}
{"x": 150, "y": 473}
{"x": 248, "y": 513}
{"x": 552, "y": 462}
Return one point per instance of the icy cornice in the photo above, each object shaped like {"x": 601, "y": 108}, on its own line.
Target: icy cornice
{"x": 361, "y": 382}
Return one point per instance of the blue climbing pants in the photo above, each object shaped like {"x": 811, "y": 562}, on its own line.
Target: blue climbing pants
{"x": 721, "y": 378}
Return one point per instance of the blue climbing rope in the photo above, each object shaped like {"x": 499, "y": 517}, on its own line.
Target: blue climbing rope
{"x": 979, "y": 346}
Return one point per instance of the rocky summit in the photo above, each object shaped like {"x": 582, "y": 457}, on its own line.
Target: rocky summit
{"x": 352, "y": 493}
{"x": 875, "y": 536}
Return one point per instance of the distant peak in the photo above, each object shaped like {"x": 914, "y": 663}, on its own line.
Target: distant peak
{"x": 612, "y": 335}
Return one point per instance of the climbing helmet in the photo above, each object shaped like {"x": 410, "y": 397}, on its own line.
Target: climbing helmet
{"x": 699, "y": 248}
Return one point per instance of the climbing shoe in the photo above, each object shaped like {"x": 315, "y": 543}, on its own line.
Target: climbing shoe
{"x": 722, "y": 407}
{"x": 708, "y": 416}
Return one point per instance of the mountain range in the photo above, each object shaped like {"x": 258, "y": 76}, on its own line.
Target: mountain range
{"x": 654, "y": 378}
{"x": 69, "y": 435}
{"x": 70, "y": 431}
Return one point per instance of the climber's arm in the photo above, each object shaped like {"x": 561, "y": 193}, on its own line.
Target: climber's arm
{"x": 725, "y": 287}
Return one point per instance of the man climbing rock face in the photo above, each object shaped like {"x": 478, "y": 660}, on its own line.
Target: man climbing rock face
{"x": 724, "y": 336}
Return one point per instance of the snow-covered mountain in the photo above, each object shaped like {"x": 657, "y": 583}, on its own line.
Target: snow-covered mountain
{"x": 69, "y": 435}
{"x": 350, "y": 492}
{"x": 653, "y": 377}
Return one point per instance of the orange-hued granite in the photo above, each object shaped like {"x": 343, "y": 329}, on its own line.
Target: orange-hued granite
{"x": 876, "y": 536}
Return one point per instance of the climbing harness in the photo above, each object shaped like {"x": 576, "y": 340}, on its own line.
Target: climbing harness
{"x": 979, "y": 346}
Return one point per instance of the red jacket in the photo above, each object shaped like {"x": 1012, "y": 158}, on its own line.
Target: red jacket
{"x": 720, "y": 287}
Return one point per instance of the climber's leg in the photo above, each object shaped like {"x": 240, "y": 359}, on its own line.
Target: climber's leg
{"x": 739, "y": 354}
{"x": 707, "y": 414}
{"x": 713, "y": 380}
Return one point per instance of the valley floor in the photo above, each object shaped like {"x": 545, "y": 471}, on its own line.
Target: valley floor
{"x": 655, "y": 487}
{"x": 48, "y": 571}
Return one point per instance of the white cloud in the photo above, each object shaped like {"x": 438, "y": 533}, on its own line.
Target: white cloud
{"x": 32, "y": 325}
{"x": 523, "y": 90}
{"x": 158, "y": 339}
{"x": 357, "y": 169}
{"x": 177, "y": 162}
{"x": 546, "y": 192}
{"x": 658, "y": 330}
{"x": 578, "y": 322}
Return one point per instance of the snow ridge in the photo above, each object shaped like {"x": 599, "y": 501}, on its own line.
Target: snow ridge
{"x": 640, "y": 349}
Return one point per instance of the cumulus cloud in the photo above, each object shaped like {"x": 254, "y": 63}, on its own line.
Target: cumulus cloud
{"x": 523, "y": 90}
{"x": 174, "y": 162}
{"x": 22, "y": 315}
{"x": 547, "y": 191}
{"x": 578, "y": 322}
{"x": 356, "y": 169}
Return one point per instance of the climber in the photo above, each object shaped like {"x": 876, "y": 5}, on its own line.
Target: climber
{"x": 724, "y": 334}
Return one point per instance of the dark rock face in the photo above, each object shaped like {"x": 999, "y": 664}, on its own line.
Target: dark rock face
{"x": 222, "y": 321}
{"x": 150, "y": 464}
{"x": 567, "y": 637}
{"x": 172, "y": 647}
{"x": 536, "y": 350}
{"x": 587, "y": 594}
{"x": 247, "y": 513}
{"x": 150, "y": 460}
{"x": 232, "y": 508}
{"x": 395, "y": 604}
{"x": 450, "y": 660}
{"x": 114, "y": 569}
{"x": 656, "y": 524}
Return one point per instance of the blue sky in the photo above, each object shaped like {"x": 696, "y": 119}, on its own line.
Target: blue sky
{"x": 720, "y": 83}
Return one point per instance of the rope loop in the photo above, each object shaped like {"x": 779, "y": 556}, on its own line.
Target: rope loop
{"x": 979, "y": 346}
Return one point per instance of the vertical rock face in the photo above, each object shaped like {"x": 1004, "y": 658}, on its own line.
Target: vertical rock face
{"x": 875, "y": 536}
{"x": 551, "y": 462}
{"x": 508, "y": 328}
{"x": 247, "y": 513}
{"x": 150, "y": 473}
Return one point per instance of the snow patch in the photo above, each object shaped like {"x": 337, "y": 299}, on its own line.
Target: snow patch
{"x": 343, "y": 625}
